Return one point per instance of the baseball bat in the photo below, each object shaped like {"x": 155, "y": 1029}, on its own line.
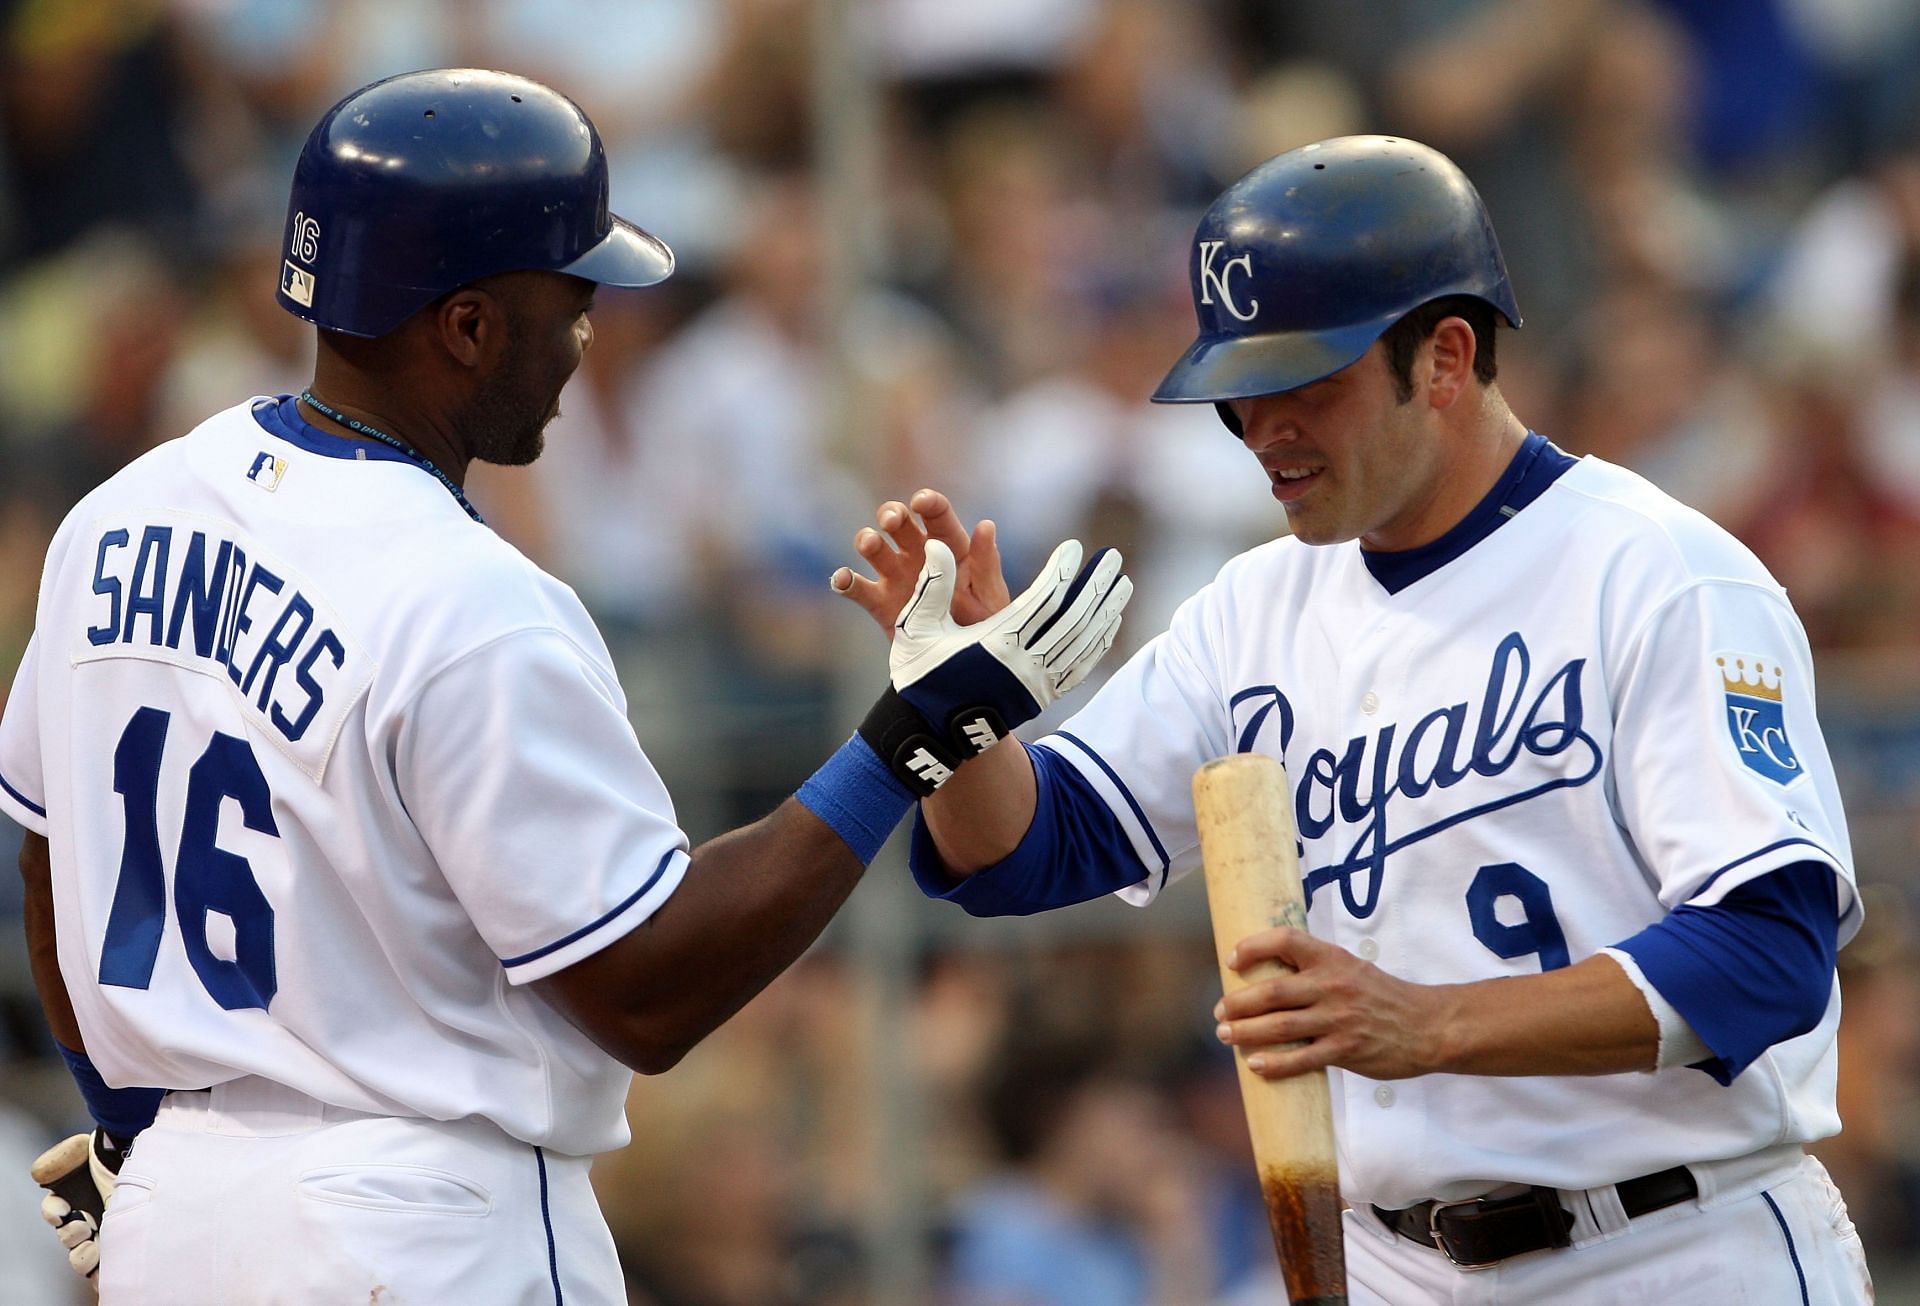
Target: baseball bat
{"x": 1252, "y": 868}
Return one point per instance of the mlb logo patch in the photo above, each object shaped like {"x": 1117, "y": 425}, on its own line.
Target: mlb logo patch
{"x": 267, "y": 471}
{"x": 1756, "y": 716}
{"x": 296, "y": 284}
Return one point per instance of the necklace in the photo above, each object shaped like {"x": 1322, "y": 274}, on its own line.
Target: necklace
{"x": 413, "y": 455}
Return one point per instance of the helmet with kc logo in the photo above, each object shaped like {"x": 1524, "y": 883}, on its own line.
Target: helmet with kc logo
{"x": 426, "y": 182}
{"x": 1298, "y": 267}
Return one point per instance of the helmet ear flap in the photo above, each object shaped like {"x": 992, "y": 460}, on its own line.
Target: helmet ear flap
{"x": 1231, "y": 422}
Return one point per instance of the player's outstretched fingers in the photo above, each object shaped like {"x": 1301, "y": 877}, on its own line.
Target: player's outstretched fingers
{"x": 850, "y": 584}
{"x": 895, "y": 555}
{"x": 1032, "y": 613}
{"x": 985, "y": 575}
{"x": 1080, "y": 606}
{"x": 929, "y": 612}
{"x": 901, "y": 527}
{"x": 1073, "y": 662}
{"x": 940, "y": 521}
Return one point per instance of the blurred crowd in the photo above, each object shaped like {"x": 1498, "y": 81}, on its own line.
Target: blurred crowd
{"x": 1711, "y": 213}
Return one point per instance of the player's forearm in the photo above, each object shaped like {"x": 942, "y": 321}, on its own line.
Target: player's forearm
{"x": 36, "y": 873}
{"x": 979, "y": 816}
{"x": 1585, "y": 1019}
{"x": 752, "y": 901}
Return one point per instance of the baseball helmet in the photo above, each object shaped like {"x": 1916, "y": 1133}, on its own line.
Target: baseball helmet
{"x": 422, "y": 183}
{"x": 1300, "y": 265}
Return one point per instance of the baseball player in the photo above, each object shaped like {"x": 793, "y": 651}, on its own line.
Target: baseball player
{"x": 340, "y": 838}
{"x": 1575, "y": 861}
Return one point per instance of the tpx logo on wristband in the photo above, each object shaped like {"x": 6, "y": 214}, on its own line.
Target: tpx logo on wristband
{"x": 918, "y": 757}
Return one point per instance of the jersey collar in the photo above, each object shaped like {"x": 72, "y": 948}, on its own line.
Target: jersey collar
{"x": 1537, "y": 465}
{"x": 282, "y": 417}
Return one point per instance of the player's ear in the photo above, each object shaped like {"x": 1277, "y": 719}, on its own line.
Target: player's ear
{"x": 471, "y": 325}
{"x": 1448, "y": 359}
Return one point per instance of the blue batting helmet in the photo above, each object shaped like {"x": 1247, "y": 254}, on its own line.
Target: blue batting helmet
{"x": 1300, "y": 265}
{"x": 425, "y": 182}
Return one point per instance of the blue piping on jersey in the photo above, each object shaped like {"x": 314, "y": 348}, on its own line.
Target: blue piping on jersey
{"x": 591, "y": 926}
{"x": 1139, "y": 813}
{"x": 1792, "y": 1251}
{"x": 1762, "y": 852}
{"x": 282, "y": 418}
{"x": 546, "y": 1218}
{"x": 22, "y": 799}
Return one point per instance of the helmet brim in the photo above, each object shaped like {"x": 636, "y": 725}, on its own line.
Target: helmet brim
{"x": 627, "y": 257}
{"x": 1220, "y": 367}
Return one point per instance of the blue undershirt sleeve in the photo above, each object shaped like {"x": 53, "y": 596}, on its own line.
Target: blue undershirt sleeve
{"x": 122, "y": 1112}
{"x": 1074, "y": 851}
{"x": 1751, "y": 971}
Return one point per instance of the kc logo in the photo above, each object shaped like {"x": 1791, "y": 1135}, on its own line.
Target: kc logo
{"x": 1212, "y": 278}
{"x": 1756, "y": 717}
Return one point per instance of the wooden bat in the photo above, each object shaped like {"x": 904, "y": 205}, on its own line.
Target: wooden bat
{"x": 1252, "y": 866}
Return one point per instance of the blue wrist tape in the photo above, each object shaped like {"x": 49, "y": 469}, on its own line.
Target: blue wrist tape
{"x": 122, "y": 1112}
{"x": 858, "y": 797}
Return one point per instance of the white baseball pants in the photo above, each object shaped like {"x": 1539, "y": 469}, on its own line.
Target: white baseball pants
{"x": 249, "y": 1193}
{"x": 1781, "y": 1238}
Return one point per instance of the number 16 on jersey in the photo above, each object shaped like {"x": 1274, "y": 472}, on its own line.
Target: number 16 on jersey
{"x": 206, "y": 878}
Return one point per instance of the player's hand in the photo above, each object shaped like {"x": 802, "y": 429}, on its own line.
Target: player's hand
{"x": 897, "y": 552}
{"x": 1036, "y": 648}
{"x": 1351, "y": 1013}
{"x": 957, "y": 689}
{"x": 78, "y": 1174}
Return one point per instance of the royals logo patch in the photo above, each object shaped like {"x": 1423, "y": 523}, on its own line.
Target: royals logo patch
{"x": 1756, "y": 716}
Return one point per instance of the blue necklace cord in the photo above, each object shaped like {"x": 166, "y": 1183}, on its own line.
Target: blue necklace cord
{"x": 413, "y": 455}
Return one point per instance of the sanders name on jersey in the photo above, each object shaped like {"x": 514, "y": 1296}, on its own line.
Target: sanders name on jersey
{"x": 196, "y": 599}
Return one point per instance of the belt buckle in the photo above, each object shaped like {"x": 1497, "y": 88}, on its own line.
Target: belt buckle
{"x": 1439, "y": 1239}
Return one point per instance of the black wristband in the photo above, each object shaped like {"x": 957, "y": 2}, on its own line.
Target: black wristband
{"x": 974, "y": 730}
{"x": 906, "y": 742}
{"x": 111, "y": 1151}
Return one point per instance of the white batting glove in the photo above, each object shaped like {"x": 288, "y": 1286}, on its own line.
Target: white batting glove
{"x": 973, "y": 684}
{"x": 1047, "y": 640}
{"x": 79, "y": 1174}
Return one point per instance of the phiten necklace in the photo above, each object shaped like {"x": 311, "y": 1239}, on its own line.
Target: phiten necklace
{"x": 413, "y": 455}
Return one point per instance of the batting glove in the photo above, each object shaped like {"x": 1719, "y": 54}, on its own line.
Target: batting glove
{"x": 957, "y": 690}
{"x": 79, "y": 1174}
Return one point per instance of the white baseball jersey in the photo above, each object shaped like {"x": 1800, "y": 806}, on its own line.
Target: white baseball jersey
{"x": 1598, "y": 713}
{"x": 328, "y": 771}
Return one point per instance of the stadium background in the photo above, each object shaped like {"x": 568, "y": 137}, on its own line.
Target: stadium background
{"x": 951, "y": 252}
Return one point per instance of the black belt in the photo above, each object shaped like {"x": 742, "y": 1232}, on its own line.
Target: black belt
{"x": 1483, "y": 1231}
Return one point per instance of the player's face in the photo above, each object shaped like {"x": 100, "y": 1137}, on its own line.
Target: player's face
{"x": 547, "y": 335}
{"x": 1349, "y": 460}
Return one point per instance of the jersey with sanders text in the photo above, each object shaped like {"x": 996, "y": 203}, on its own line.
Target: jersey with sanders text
{"x": 328, "y": 772}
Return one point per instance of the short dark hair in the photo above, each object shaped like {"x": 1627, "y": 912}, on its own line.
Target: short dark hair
{"x": 1404, "y": 336}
